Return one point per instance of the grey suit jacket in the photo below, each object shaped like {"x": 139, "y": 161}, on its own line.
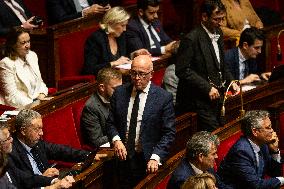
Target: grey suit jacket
{"x": 93, "y": 121}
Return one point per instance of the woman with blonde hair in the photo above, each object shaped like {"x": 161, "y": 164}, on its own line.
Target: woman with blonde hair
{"x": 200, "y": 181}
{"x": 106, "y": 47}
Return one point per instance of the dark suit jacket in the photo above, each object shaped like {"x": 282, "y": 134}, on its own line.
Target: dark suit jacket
{"x": 63, "y": 10}
{"x": 137, "y": 37}
{"x": 93, "y": 121}
{"x": 196, "y": 61}
{"x": 5, "y": 184}
{"x": 21, "y": 169}
{"x": 157, "y": 128}
{"x": 184, "y": 171}
{"x": 232, "y": 61}
{"x": 8, "y": 18}
{"x": 239, "y": 167}
{"x": 97, "y": 52}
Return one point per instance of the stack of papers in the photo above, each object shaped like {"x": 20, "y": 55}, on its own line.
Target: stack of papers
{"x": 7, "y": 114}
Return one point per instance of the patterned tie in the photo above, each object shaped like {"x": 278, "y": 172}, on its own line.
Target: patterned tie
{"x": 37, "y": 159}
{"x": 132, "y": 126}
{"x": 156, "y": 42}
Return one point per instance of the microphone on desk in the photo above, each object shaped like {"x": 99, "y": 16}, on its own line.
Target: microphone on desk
{"x": 223, "y": 110}
{"x": 279, "y": 52}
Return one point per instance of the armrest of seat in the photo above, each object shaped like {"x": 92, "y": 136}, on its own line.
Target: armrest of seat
{"x": 66, "y": 82}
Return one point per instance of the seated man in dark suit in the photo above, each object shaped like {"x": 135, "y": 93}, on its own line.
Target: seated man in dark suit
{"x": 64, "y": 10}
{"x": 28, "y": 161}
{"x": 140, "y": 124}
{"x": 144, "y": 31}
{"x": 96, "y": 109}
{"x": 241, "y": 60}
{"x": 254, "y": 155}
{"x": 14, "y": 13}
{"x": 6, "y": 148}
{"x": 201, "y": 152}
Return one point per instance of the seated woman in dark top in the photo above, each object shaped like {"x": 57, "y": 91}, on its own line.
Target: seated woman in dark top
{"x": 106, "y": 47}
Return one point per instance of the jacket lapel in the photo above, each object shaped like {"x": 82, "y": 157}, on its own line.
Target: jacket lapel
{"x": 150, "y": 103}
{"x": 236, "y": 59}
{"x": 22, "y": 77}
{"x": 144, "y": 34}
{"x": 22, "y": 153}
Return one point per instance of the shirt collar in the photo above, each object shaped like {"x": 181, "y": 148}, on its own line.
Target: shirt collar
{"x": 146, "y": 90}
{"x": 145, "y": 25}
{"x": 255, "y": 147}
{"x": 103, "y": 99}
{"x": 195, "y": 169}
{"x": 26, "y": 146}
{"x": 211, "y": 35}
{"x": 241, "y": 56}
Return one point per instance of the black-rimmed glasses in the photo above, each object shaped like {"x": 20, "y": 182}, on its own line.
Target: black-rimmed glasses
{"x": 139, "y": 74}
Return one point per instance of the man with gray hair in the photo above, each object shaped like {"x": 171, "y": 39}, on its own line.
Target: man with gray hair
{"x": 28, "y": 160}
{"x": 254, "y": 155}
{"x": 201, "y": 152}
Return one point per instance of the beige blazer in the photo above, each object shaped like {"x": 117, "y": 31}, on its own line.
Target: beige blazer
{"x": 233, "y": 24}
{"x": 15, "y": 87}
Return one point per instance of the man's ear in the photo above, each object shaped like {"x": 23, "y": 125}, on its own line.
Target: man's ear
{"x": 101, "y": 87}
{"x": 204, "y": 17}
{"x": 245, "y": 45}
{"x": 22, "y": 130}
{"x": 254, "y": 132}
{"x": 140, "y": 12}
{"x": 200, "y": 157}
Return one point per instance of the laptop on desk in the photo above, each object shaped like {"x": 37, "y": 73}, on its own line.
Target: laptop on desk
{"x": 277, "y": 73}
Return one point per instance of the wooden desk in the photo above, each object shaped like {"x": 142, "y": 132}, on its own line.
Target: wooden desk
{"x": 258, "y": 98}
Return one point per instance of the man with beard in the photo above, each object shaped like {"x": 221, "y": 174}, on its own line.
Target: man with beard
{"x": 145, "y": 30}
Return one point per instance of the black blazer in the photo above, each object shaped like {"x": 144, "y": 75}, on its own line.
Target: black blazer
{"x": 157, "y": 126}
{"x": 137, "y": 37}
{"x": 93, "y": 121}
{"x": 8, "y": 18}
{"x": 62, "y": 10}
{"x": 232, "y": 61}
{"x": 196, "y": 64}
{"x": 21, "y": 170}
{"x": 97, "y": 52}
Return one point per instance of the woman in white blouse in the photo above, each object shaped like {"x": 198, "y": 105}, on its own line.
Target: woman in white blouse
{"x": 20, "y": 78}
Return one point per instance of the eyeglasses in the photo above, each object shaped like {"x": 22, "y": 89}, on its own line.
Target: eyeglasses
{"x": 8, "y": 139}
{"x": 139, "y": 74}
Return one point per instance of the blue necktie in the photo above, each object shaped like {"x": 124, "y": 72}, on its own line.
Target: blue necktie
{"x": 156, "y": 42}
{"x": 37, "y": 159}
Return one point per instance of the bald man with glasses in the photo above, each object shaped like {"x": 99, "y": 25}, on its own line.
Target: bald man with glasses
{"x": 140, "y": 124}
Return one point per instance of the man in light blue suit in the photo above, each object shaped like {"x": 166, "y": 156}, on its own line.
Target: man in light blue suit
{"x": 254, "y": 155}
{"x": 140, "y": 124}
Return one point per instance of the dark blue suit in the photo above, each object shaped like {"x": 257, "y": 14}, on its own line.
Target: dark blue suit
{"x": 239, "y": 167}
{"x": 184, "y": 171}
{"x": 232, "y": 62}
{"x": 20, "y": 168}
{"x": 157, "y": 128}
{"x": 137, "y": 37}
{"x": 63, "y": 10}
{"x": 8, "y": 18}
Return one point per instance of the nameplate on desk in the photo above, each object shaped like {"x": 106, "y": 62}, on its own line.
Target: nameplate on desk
{"x": 7, "y": 114}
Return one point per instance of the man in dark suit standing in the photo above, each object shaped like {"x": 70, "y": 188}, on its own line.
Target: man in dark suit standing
{"x": 64, "y": 10}
{"x": 140, "y": 124}
{"x": 254, "y": 155}
{"x": 201, "y": 152}
{"x": 144, "y": 31}
{"x": 241, "y": 60}
{"x": 96, "y": 109}
{"x": 28, "y": 160}
{"x": 14, "y": 13}
{"x": 201, "y": 70}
